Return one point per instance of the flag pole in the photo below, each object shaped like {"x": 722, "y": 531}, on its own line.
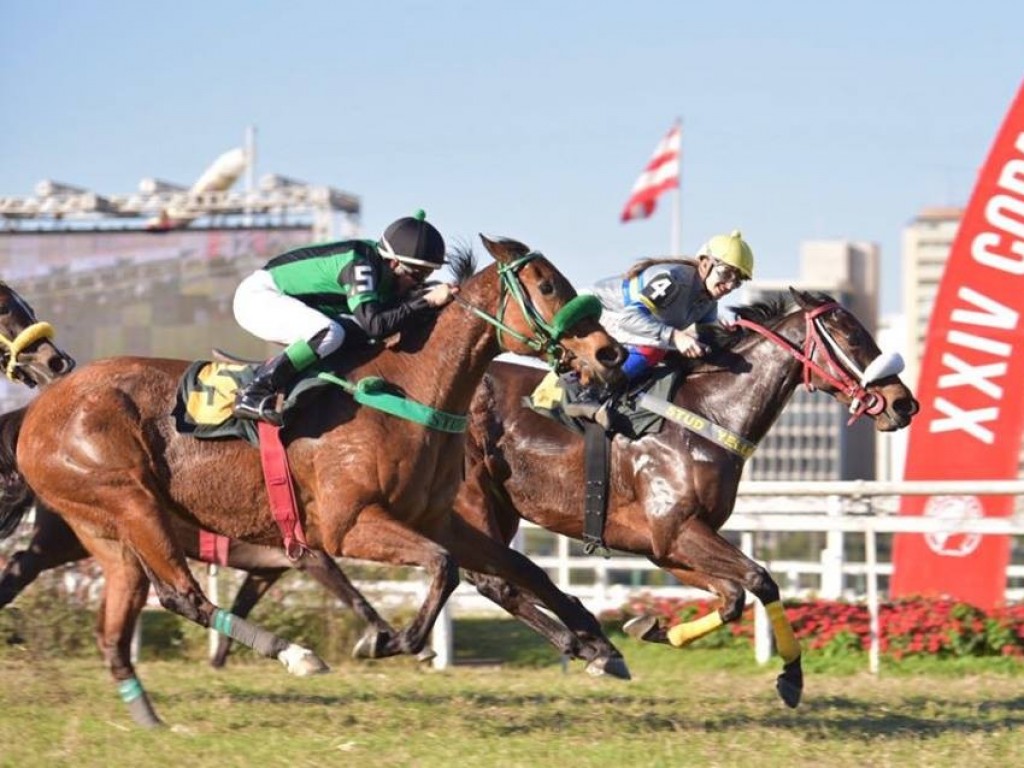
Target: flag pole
{"x": 677, "y": 203}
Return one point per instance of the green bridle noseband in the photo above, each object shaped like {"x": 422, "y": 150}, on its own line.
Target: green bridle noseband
{"x": 545, "y": 337}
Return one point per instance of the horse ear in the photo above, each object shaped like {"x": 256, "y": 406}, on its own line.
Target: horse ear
{"x": 802, "y": 299}
{"x": 504, "y": 249}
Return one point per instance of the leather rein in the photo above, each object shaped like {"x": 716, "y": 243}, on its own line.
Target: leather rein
{"x": 839, "y": 370}
{"x": 545, "y": 337}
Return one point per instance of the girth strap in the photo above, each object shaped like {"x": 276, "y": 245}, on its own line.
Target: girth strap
{"x": 595, "y": 505}
{"x": 278, "y": 479}
{"x": 213, "y": 548}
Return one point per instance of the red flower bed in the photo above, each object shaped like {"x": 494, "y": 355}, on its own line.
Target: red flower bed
{"x": 907, "y": 627}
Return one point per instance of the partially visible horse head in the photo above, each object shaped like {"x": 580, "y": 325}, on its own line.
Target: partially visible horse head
{"x": 850, "y": 366}
{"x": 546, "y": 315}
{"x": 27, "y": 352}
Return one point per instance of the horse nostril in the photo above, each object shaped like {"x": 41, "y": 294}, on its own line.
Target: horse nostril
{"x": 906, "y": 406}
{"x": 611, "y": 356}
{"x": 61, "y": 364}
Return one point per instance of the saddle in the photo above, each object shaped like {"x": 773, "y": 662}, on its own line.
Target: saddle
{"x": 626, "y": 419}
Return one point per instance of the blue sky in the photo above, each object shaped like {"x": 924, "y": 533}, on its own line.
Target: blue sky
{"x": 802, "y": 120}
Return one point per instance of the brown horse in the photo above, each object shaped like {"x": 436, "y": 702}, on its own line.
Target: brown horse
{"x": 54, "y": 544}
{"x": 30, "y": 357}
{"x": 99, "y": 446}
{"x": 671, "y": 492}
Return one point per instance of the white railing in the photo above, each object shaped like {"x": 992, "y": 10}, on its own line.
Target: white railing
{"x": 837, "y": 509}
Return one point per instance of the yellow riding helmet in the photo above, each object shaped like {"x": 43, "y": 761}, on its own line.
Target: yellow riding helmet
{"x": 730, "y": 249}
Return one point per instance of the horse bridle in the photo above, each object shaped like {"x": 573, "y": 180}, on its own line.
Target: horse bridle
{"x": 840, "y": 371}
{"x": 13, "y": 347}
{"x": 545, "y": 337}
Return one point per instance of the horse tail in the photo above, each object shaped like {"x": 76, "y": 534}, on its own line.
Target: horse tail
{"x": 16, "y": 498}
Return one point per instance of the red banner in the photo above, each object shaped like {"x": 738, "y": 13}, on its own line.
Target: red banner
{"x": 971, "y": 387}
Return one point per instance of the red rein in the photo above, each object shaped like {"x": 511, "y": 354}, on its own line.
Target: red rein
{"x": 861, "y": 401}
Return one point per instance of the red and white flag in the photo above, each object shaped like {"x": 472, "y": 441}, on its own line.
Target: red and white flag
{"x": 661, "y": 174}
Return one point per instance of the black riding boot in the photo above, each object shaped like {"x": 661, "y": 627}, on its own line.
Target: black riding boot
{"x": 258, "y": 399}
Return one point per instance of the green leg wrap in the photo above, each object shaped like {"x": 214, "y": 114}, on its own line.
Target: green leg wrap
{"x": 261, "y": 641}
{"x": 301, "y": 354}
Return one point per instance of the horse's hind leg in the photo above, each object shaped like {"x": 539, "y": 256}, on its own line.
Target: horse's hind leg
{"x": 124, "y": 596}
{"x": 179, "y": 592}
{"x": 53, "y": 543}
{"x": 253, "y": 588}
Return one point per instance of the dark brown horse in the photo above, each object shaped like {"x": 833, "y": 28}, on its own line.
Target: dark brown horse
{"x": 99, "y": 446}
{"x": 27, "y": 352}
{"x": 671, "y": 492}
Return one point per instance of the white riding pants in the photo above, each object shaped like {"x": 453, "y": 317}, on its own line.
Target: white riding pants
{"x": 263, "y": 310}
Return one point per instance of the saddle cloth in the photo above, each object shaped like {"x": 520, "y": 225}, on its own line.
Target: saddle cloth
{"x": 627, "y": 419}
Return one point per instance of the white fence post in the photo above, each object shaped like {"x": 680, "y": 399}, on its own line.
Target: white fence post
{"x": 871, "y": 562}
{"x": 832, "y": 556}
{"x": 764, "y": 643}
{"x": 212, "y": 592}
{"x": 442, "y": 639}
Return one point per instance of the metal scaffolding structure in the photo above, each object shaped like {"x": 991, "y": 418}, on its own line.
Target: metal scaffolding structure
{"x": 162, "y": 206}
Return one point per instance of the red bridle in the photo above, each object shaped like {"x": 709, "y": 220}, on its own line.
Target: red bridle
{"x": 835, "y": 373}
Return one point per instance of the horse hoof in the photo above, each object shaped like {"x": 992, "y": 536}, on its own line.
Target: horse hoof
{"x": 613, "y": 666}
{"x": 302, "y": 662}
{"x": 646, "y": 628}
{"x": 790, "y": 684}
{"x": 369, "y": 645}
{"x": 427, "y": 654}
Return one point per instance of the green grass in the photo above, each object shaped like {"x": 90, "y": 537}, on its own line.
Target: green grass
{"x": 689, "y": 707}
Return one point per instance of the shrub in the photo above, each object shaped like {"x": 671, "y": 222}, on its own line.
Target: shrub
{"x": 919, "y": 626}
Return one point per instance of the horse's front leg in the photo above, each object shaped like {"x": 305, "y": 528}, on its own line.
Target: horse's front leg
{"x": 717, "y": 562}
{"x": 379, "y": 537}
{"x": 518, "y": 585}
{"x": 732, "y": 598}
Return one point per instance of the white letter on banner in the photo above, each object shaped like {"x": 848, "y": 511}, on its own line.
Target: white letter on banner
{"x": 976, "y": 375}
{"x": 996, "y": 315}
{"x": 982, "y": 252}
{"x": 1007, "y": 213}
{"x": 980, "y": 343}
{"x": 967, "y": 421}
{"x": 1012, "y": 176}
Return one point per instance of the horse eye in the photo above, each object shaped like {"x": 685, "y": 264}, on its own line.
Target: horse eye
{"x": 5, "y": 309}
{"x": 546, "y": 288}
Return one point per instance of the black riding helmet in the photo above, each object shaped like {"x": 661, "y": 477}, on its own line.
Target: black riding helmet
{"x": 413, "y": 240}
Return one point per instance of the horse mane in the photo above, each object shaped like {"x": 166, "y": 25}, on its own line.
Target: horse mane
{"x": 767, "y": 313}
{"x": 462, "y": 261}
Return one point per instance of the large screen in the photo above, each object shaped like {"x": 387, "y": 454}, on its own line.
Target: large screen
{"x": 139, "y": 293}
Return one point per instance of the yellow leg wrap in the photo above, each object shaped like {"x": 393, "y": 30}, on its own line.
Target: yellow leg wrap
{"x": 785, "y": 640}
{"x": 684, "y": 634}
